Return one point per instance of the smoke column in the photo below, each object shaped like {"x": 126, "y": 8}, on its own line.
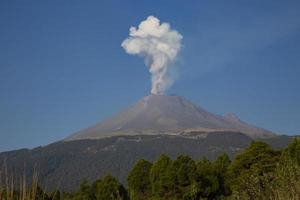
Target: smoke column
{"x": 159, "y": 45}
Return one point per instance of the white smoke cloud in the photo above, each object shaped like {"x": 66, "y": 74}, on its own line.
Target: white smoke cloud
{"x": 159, "y": 45}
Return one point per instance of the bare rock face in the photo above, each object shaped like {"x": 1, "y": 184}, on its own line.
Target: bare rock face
{"x": 163, "y": 114}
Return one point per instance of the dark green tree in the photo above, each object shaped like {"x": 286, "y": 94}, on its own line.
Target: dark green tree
{"x": 206, "y": 183}
{"x": 286, "y": 179}
{"x": 85, "y": 192}
{"x": 292, "y": 152}
{"x": 181, "y": 175}
{"x": 110, "y": 189}
{"x": 259, "y": 155}
{"x": 160, "y": 178}
{"x": 253, "y": 169}
{"x": 220, "y": 166}
{"x": 222, "y": 163}
{"x": 139, "y": 180}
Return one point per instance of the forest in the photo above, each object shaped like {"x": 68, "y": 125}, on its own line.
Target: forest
{"x": 257, "y": 172}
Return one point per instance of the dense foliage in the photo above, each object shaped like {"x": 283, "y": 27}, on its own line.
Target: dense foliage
{"x": 258, "y": 172}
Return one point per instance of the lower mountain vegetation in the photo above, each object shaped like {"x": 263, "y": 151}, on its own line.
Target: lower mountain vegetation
{"x": 258, "y": 172}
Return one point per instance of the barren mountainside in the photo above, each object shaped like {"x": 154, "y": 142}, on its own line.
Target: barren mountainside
{"x": 156, "y": 114}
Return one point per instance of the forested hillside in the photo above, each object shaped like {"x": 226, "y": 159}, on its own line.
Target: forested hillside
{"x": 258, "y": 172}
{"x": 63, "y": 165}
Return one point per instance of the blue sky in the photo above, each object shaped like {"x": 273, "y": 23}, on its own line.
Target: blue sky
{"x": 62, "y": 67}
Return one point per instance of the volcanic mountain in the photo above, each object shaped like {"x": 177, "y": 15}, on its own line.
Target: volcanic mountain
{"x": 164, "y": 114}
{"x": 155, "y": 125}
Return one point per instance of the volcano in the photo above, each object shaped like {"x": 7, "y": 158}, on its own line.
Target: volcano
{"x": 154, "y": 125}
{"x": 171, "y": 115}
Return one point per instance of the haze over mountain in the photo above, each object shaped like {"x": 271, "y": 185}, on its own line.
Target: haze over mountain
{"x": 157, "y": 114}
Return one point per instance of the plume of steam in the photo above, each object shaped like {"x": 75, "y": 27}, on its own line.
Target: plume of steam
{"x": 159, "y": 45}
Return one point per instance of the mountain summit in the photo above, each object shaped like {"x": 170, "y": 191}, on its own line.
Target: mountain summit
{"x": 164, "y": 114}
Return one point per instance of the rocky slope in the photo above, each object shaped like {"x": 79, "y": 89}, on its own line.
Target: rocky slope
{"x": 163, "y": 114}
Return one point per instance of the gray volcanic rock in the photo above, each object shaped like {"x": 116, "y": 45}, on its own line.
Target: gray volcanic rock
{"x": 157, "y": 114}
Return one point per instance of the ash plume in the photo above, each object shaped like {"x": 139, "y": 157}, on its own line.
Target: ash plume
{"x": 159, "y": 45}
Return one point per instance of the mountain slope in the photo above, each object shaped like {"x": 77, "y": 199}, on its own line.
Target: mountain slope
{"x": 64, "y": 165}
{"x": 156, "y": 114}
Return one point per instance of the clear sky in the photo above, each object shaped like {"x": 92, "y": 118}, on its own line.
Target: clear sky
{"x": 62, "y": 67}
